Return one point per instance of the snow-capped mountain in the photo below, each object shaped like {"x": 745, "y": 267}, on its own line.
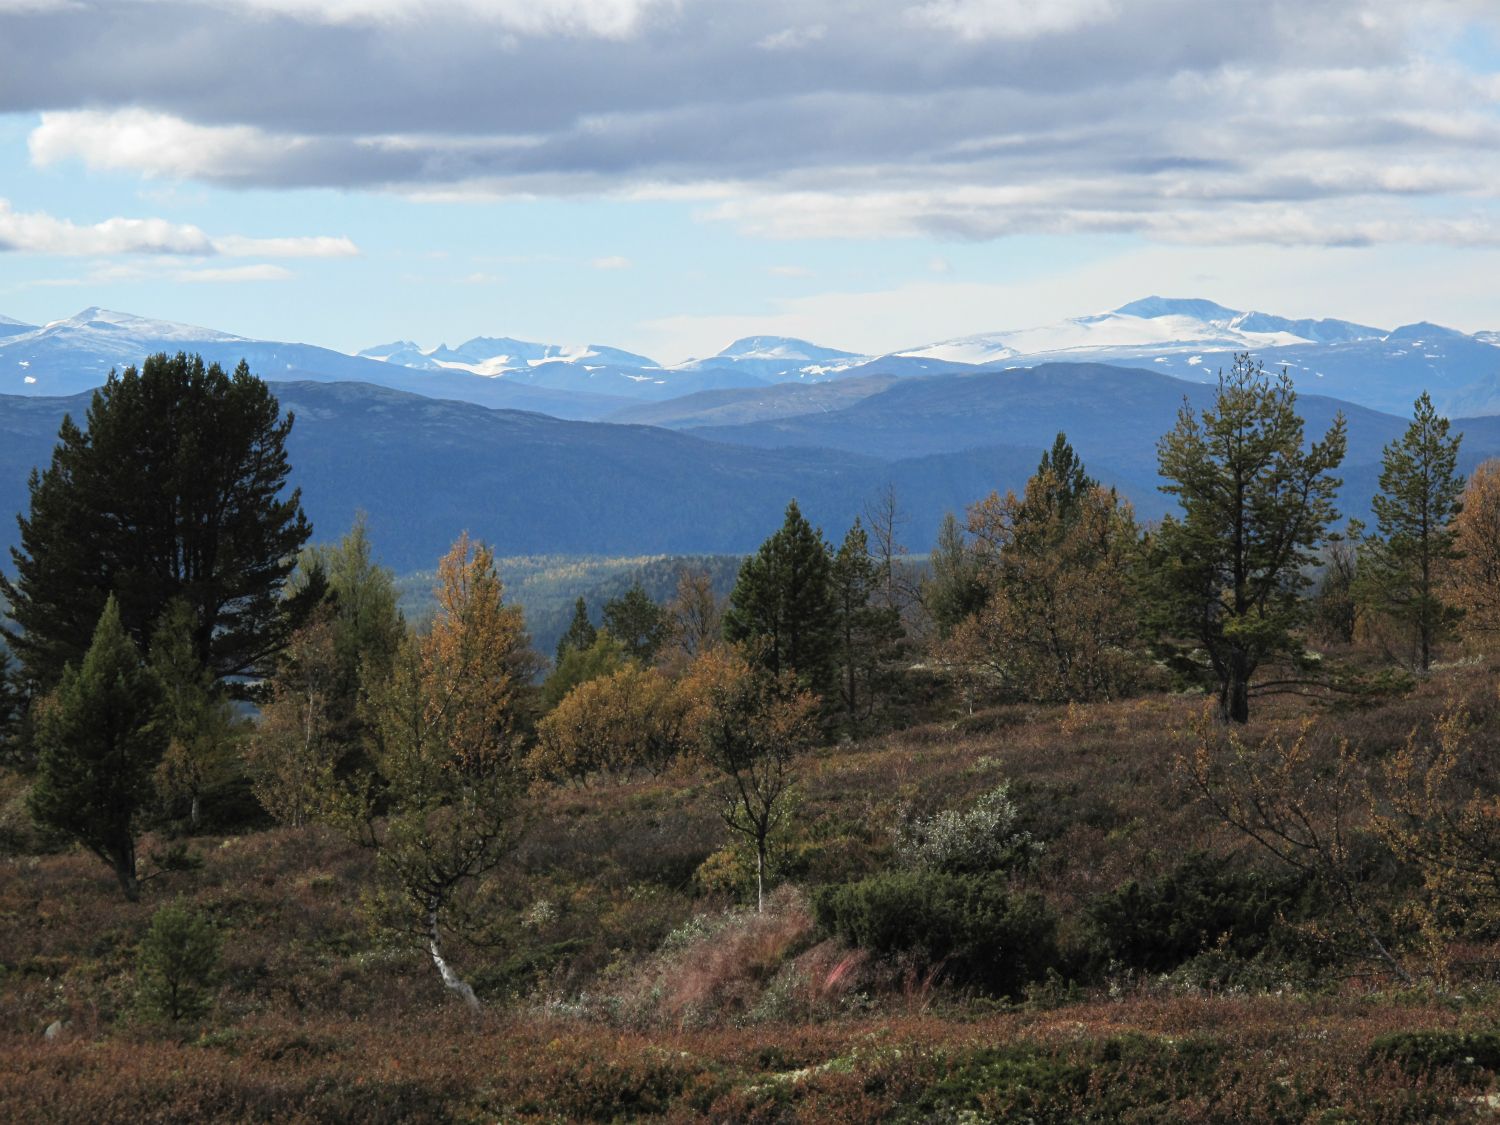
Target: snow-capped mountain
{"x": 1189, "y": 338}
{"x": 753, "y": 361}
{"x": 488, "y": 355}
{"x": 9, "y": 327}
{"x": 75, "y": 354}
{"x": 586, "y": 367}
{"x": 1193, "y": 339}
{"x": 778, "y": 359}
{"x": 1152, "y": 325}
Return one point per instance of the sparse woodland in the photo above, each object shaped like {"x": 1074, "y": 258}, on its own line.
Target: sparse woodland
{"x": 1073, "y": 819}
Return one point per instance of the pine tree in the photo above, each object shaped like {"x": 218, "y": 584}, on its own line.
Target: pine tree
{"x": 1227, "y": 573}
{"x": 1420, "y": 490}
{"x": 1066, "y": 483}
{"x": 175, "y": 489}
{"x": 636, "y": 622}
{"x": 195, "y": 715}
{"x": 100, "y": 738}
{"x": 10, "y": 707}
{"x": 783, "y": 607}
{"x": 178, "y": 964}
{"x": 356, "y": 603}
{"x": 955, "y": 587}
{"x": 867, "y": 633}
{"x": 580, "y": 635}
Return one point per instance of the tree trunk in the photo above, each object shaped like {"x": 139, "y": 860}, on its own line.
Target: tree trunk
{"x": 760, "y": 874}
{"x": 131, "y": 885}
{"x": 1234, "y": 696}
{"x": 193, "y": 811}
{"x": 451, "y": 980}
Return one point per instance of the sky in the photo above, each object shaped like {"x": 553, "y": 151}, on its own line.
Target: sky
{"x": 669, "y": 175}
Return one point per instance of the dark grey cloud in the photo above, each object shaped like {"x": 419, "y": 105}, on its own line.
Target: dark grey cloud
{"x": 968, "y": 117}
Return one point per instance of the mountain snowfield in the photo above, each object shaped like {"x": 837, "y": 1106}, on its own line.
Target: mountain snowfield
{"x": 1150, "y": 326}
{"x": 1188, "y": 338}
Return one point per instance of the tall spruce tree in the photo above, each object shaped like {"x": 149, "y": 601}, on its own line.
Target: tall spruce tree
{"x": 580, "y": 635}
{"x": 1066, "y": 482}
{"x": 867, "y": 632}
{"x": 1420, "y": 494}
{"x": 174, "y": 488}
{"x": 782, "y": 605}
{"x": 100, "y": 737}
{"x": 1227, "y": 573}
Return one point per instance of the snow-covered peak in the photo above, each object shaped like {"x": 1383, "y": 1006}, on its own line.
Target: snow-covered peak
{"x": 786, "y": 348}
{"x": 1195, "y": 308}
{"x": 97, "y": 320}
{"x": 1425, "y": 330}
{"x": 1153, "y": 324}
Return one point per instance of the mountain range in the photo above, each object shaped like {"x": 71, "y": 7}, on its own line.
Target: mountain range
{"x": 594, "y": 450}
{"x": 1188, "y": 338}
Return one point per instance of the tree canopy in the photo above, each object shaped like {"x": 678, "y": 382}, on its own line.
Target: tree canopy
{"x": 174, "y": 488}
{"x": 100, "y": 738}
{"x": 1420, "y": 490}
{"x": 1229, "y": 570}
{"x": 782, "y": 603}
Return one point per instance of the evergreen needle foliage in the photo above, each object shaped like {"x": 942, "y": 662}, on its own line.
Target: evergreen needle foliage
{"x": 1229, "y": 571}
{"x": 172, "y": 489}
{"x": 177, "y": 964}
{"x": 100, "y": 737}
{"x": 1420, "y": 490}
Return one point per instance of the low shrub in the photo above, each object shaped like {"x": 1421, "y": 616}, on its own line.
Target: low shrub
{"x": 1421, "y": 1054}
{"x": 973, "y": 841}
{"x": 1162, "y": 923}
{"x": 980, "y": 931}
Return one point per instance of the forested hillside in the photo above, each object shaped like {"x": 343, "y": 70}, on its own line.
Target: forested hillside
{"x": 1061, "y": 815}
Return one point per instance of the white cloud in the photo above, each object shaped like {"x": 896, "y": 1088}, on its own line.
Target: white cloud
{"x": 611, "y": 263}
{"x": 36, "y": 232}
{"x": 39, "y": 233}
{"x": 169, "y": 270}
{"x": 318, "y": 246}
{"x": 154, "y": 144}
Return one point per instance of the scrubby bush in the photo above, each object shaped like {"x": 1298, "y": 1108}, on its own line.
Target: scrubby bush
{"x": 974, "y": 926}
{"x": 973, "y": 841}
{"x": 1468, "y": 1054}
{"x": 177, "y": 964}
{"x": 1161, "y": 923}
